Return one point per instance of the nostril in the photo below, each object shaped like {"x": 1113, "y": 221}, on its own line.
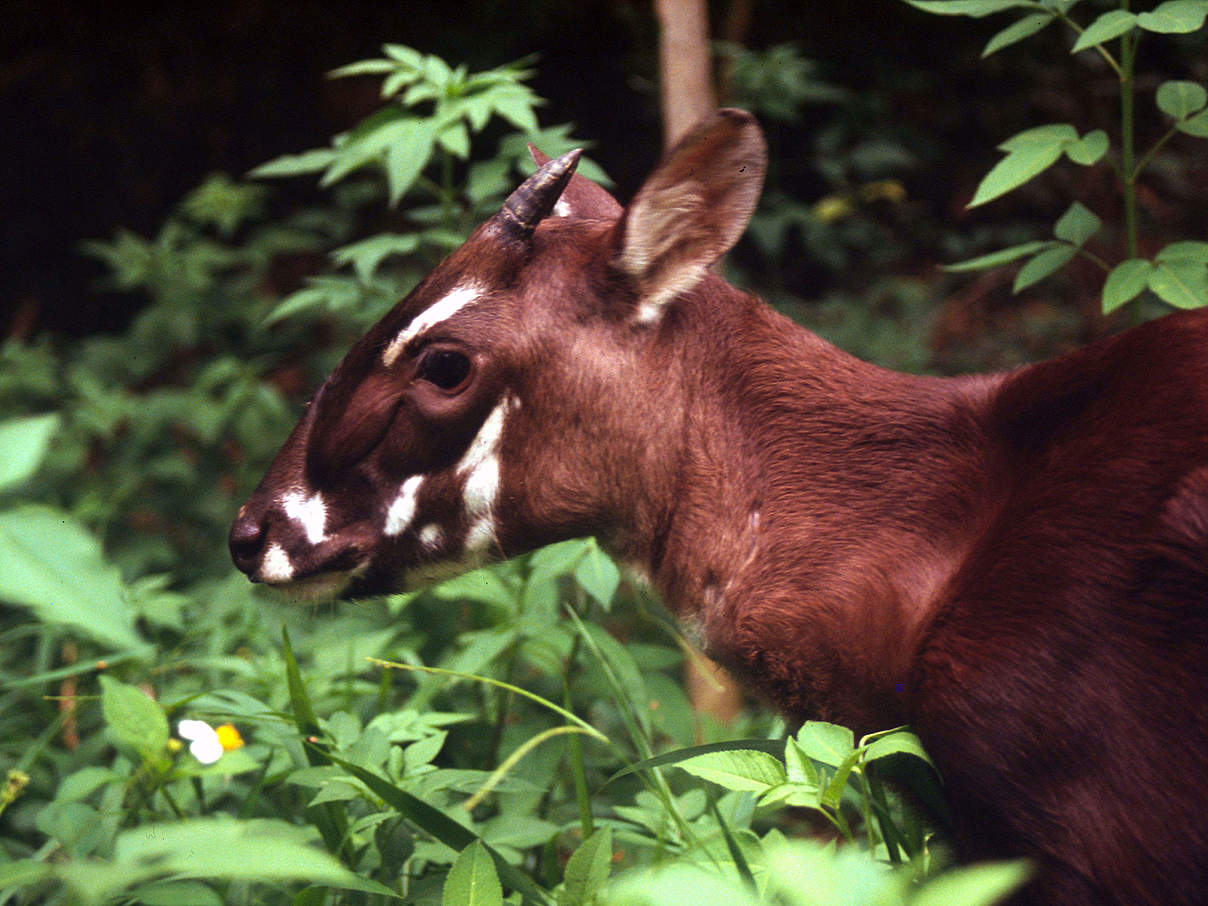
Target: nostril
{"x": 246, "y": 541}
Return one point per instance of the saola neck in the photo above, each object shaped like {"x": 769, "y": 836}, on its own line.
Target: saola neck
{"x": 819, "y": 501}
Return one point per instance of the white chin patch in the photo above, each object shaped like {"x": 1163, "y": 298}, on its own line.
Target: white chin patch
{"x": 323, "y": 587}
{"x": 276, "y": 566}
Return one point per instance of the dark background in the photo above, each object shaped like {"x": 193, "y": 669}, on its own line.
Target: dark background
{"x": 112, "y": 112}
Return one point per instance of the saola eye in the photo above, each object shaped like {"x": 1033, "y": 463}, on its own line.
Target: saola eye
{"x": 446, "y": 368}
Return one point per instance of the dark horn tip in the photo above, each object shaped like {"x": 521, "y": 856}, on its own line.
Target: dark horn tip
{"x": 537, "y": 195}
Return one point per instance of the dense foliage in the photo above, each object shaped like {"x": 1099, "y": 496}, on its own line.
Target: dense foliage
{"x": 520, "y": 729}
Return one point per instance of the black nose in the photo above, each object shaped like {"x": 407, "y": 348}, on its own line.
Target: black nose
{"x": 247, "y": 541}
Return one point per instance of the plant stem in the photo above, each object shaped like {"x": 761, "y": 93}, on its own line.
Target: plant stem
{"x": 1128, "y": 56}
{"x": 578, "y": 769}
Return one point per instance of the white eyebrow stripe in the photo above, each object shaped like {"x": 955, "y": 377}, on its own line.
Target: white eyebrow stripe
{"x": 276, "y": 565}
{"x": 402, "y": 511}
{"x": 309, "y": 512}
{"x": 441, "y": 310}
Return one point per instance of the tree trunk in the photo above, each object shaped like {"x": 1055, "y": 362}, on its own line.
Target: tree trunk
{"x": 686, "y": 89}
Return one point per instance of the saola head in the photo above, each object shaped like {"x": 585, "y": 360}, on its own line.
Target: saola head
{"x": 523, "y": 393}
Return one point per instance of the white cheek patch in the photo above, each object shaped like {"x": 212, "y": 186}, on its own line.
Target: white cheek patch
{"x": 309, "y": 512}
{"x": 276, "y": 565}
{"x": 480, "y": 466}
{"x": 481, "y": 536}
{"x": 449, "y": 305}
{"x": 402, "y": 511}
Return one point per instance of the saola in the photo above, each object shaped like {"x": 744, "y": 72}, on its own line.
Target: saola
{"x": 1016, "y": 564}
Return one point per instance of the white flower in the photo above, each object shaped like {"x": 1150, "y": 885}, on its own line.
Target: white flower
{"x": 204, "y": 743}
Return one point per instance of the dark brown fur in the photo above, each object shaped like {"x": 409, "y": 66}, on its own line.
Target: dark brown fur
{"x": 1015, "y": 564}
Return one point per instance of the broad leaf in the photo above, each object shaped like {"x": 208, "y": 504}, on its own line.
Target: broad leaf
{"x": 827, "y": 743}
{"x": 1044, "y": 264}
{"x": 742, "y": 769}
{"x": 472, "y": 880}
{"x": 973, "y": 8}
{"x": 296, "y": 164}
{"x": 1109, "y": 25}
{"x": 134, "y": 721}
{"x": 1060, "y": 134}
{"x": 1126, "y": 281}
{"x": 1196, "y": 125}
{"x": 1014, "y": 170}
{"x": 587, "y": 869}
{"x": 1012, "y": 34}
{"x": 1175, "y": 17}
{"x": 23, "y": 443}
{"x": 598, "y": 575}
{"x": 1077, "y": 224}
{"x": 1182, "y": 283}
{"x": 1089, "y": 149}
{"x": 52, "y": 565}
{"x": 1187, "y": 250}
{"x": 974, "y": 885}
{"x": 1180, "y": 99}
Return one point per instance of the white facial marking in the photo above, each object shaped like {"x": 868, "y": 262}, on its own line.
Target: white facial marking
{"x": 310, "y": 512}
{"x": 402, "y": 511}
{"x": 431, "y": 535}
{"x": 561, "y": 208}
{"x": 481, "y": 536}
{"x": 443, "y": 309}
{"x": 276, "y": 565}
{"x": 482, "y": 487}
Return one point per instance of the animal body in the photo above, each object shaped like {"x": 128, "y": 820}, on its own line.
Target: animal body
{"x": 1015, "y": 564}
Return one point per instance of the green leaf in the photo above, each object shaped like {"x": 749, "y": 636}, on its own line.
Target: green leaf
{"x": 740, "y": 769}
{"x": 834, "y": 790}
{"x": 974, "y": 885}
{"x": 1188, "y": 250}
{"x": 407, "y": 156}
{"x": 366, "y": 255}
{"x": 1043, "y": 265}
{"x": 1196, "y": 125}
{"x": 1175, "y": 17}
{"x": 52, "y": 565}
{"x": 770, "y": 746}
{"x": 1012, "y": 34}
{"x": 901, "y": 742}
{"x": 1077, "y": 225}
{"x": 362, "y": 67}
{"x": 827, "y": 743}
{"x": 1089, "y": 149}
{"x": 23, "y": 443}
{"x": 1060, "y": 134}
{"x": 295, "y": 164}
{"x": 1127, "y": 280}
{"x": 598, "y": 575}
{"x": 134, "y": 721}
{"x": 455, "y": 139}
{"x": 472, "y": 880}
{"x": 587, "y": 869}
{"x": 974, "y": 8}
{"x": 1002, "y": 256}
{"x": 176, "y": 893}
{"x": 1182, "y": 283}
{"x": 1110, "y": 25}
{"x": 1180, "y": 99}
{"x": 1029, "y": 153}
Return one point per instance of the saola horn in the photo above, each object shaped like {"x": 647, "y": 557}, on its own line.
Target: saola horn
{"x": 536, "y": 196}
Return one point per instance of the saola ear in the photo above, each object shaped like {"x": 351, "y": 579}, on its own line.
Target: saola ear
{"x": 581, "y": 197}
{"x": 692, "y": 208}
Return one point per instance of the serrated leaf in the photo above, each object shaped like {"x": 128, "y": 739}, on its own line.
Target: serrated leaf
{"x": 587, "y": 869}
{"x": 1126, "y": 281}
{"x": 1182, "y": 283}
{"x": 975, "y": 9}
{"x": 1012, "y": 34}
{"x": 1109, "y": 25}
{"x": 1077, "y": 224}
{"x": 1089, "y": 149}
{"x": 53, "y": 565}
{"x": 1175, "y": 17}
{"x": 1044, "y": 264}
{"x": 1187, "y": 250}
{"x": 826, "y": 743}
{"x": 1180, "y": 99}
{"x": 739, "y": 769}
{"x": 134, "y": 721}
{"x": 472, "y": 880}
{"x": 23, "y": 443}
{"x": 1002, "y": 256}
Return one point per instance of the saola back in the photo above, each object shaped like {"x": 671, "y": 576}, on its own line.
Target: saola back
{"x": 1015, "y": 564}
